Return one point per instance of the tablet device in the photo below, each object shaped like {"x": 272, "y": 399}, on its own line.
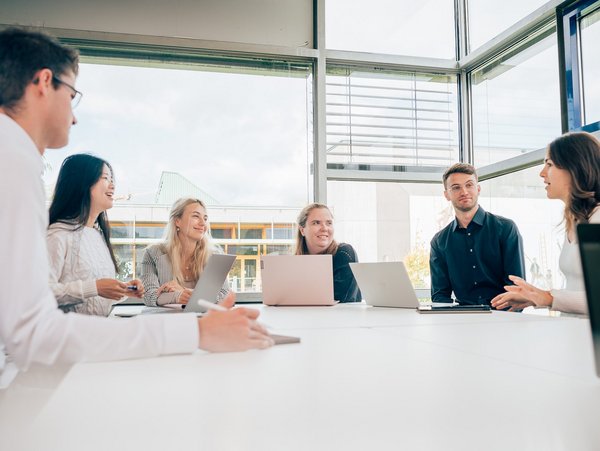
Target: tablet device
{"x": 475, "y": 308}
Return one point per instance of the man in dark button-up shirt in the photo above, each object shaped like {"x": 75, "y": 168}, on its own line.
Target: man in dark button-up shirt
{"x": 474, "y": 255}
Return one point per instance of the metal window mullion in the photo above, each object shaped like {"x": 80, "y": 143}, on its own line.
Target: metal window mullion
{"x": 465, "y": 130}
{"x": 461, "y": 22}
{"x": 319, "y": 104}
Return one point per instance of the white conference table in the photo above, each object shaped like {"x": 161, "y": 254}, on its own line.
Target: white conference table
{"x": 362, "y": 378}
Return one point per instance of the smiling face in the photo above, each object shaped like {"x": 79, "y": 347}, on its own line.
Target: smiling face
{"x": 558, "y": 181}
{"x": 102, "y": 192}
{"x": 318, "y": 231}
{"x": 193, "y": 222}
{"x": 463, "y": 191}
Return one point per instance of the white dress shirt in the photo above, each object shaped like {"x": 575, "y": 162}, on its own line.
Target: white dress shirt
{"x": 32, "y": 328}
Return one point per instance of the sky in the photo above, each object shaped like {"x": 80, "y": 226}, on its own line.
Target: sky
{"x": 241, "y": 138}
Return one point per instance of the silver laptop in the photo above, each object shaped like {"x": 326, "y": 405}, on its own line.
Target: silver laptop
{"x": 297, "y": 279}
{"x": 208, "y": 286}
{"x": 385, "y": 284}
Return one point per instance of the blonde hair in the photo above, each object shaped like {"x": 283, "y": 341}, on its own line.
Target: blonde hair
{"x": 301, "y": 247}
{"x": 174, "y": 249}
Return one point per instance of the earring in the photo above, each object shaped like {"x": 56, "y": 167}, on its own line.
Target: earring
{"x": 177, "y": 228}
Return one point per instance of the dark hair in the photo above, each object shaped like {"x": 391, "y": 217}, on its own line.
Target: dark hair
{"x": 578, "y": 153}
{"x": 459, "y": 168}
{"x": 22, "y": 54}
{"x": 71, "y": 203}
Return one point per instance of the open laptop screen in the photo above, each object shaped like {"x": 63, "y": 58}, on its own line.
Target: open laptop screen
{"x": 589, "y": 247}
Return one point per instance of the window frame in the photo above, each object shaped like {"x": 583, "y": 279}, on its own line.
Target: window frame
{"x": 568, "y": 17}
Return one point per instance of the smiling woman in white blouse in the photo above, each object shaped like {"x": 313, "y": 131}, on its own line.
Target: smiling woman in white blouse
{"x": 82, "y": 262}
{"x": 571, "y": 173}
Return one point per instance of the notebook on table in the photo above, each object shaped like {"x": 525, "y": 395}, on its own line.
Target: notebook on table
{"x": 296, "y": 280}
{"x": 588, "y": 236}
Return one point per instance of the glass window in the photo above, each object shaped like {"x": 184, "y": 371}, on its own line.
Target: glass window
{"x": 279, "y": 249}
{"x": 281, "y": 233}
{"x": 251, "y": 234}
{"x": 398, "y": 221}
{"x": 384, "y": 119}
{"x": 220, "y": 131}
{"x": 515, "y": 196}
{"x": 395, "y": 222}
{"x": 515, "y": 103}
{"x": 225, "y": 233}
{"x": 401, "y": 27}
{"x": 120, "y": 229}
{"x": 124, "y": 256}
{"x": 590, "y": 43}
{"x": 242, "y": 250}
{"x": 227, "y": 131}
{"x": 489, "y": 18}
{"x": 139, "y": 257}
{"x": 152, "y": 231}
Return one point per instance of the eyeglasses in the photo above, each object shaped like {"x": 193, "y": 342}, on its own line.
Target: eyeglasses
{"x": 76, "y": 97}
{"x": 455, "y": 189}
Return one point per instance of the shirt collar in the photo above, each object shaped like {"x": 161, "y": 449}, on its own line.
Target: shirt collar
{"x": 478, "y": 219}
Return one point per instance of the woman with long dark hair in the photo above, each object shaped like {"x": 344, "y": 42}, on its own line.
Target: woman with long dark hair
{"x": 82, "y": 262}
{"x": 572, "y": 174}
{"x": 315, "y": 236}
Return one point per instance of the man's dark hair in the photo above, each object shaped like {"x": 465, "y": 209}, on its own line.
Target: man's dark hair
{"x": 459, "y": 168}
{"x": 22, "y": 54}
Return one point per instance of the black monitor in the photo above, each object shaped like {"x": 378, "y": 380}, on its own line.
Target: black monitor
{"x": 589, "y": 247}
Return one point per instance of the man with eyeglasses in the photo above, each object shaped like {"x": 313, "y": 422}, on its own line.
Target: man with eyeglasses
{"x": 37, "y": 97}
{"x": 473, "y": 256}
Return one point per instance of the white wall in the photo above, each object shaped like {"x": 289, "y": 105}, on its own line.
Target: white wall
{"x": 269, "y": 22}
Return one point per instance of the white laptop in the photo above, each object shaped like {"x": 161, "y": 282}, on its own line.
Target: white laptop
{"x": 297, "y": 279}
{"x": 385, "y": 284}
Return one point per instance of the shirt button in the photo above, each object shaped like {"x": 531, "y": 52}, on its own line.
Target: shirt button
{"x": 475, "y": 283}
{"x": 469, "y": 233}
{"x": 470, "y": 250}
{"x": 474, "y": 266}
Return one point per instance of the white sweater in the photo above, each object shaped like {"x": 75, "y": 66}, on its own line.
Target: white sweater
{"x": 572, "y": 298}
{"x": 78, "y": 257}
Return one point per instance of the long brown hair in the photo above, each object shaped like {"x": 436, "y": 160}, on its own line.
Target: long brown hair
{"x": 174, "y": 249}
{"x": 301, "y": 247}
{"x": 578, "y": 153}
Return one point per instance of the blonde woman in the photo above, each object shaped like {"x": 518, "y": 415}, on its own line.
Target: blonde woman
{"x": 315, "y": 236}
{"x": 171, "y": 269}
